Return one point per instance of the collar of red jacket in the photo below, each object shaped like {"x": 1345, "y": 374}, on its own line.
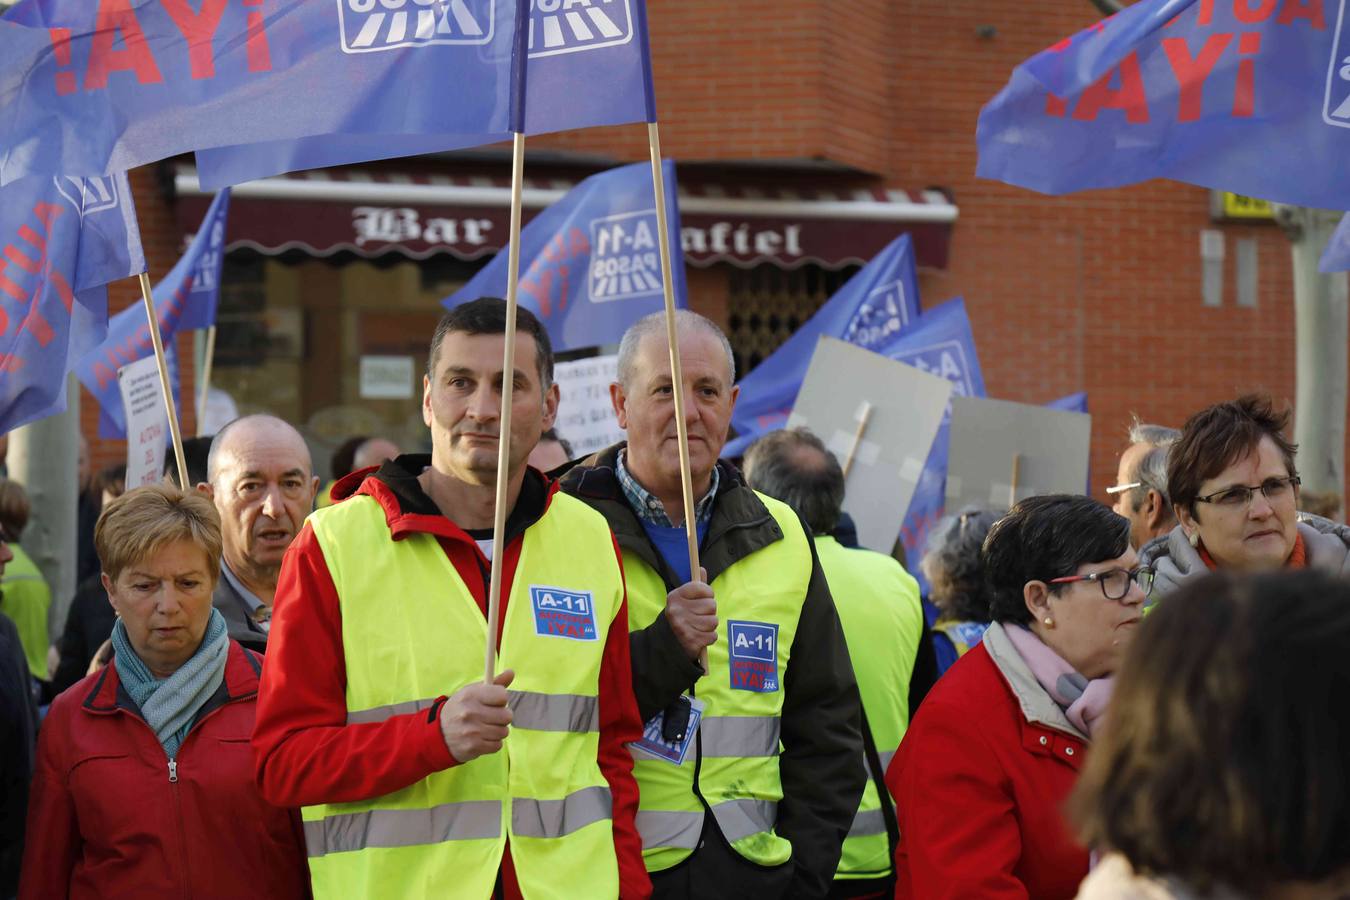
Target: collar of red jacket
{"x": 242, "y": 668}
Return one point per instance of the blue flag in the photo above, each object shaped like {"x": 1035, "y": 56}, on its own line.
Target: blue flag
{"x": 186, "y": 298}
{"x": 876, "y": 305}
{"x": 1071, "y": 403}
{"x": 588, "y": 65}
{"x": 62, "y": 240}
{"x": 94, "y": 86}
{"x": 1247, "y": 96}
{"x": 590, "y": 264}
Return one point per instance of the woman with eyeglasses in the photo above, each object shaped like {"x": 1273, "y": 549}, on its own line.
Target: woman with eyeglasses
{"x": 994, "y": 750}
{"x": 1234, "y": 485}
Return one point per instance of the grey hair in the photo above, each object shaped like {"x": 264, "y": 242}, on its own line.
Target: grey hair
{"x": 1151, "y": 473}
{"x": 1157, "y": 435}
{"x": 655, "y": 323}
{"x": 954, "y": 567}
{"x": 795, "y": 466}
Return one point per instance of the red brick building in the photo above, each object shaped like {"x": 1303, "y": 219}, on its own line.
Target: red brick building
{"x": 859, "y": 102}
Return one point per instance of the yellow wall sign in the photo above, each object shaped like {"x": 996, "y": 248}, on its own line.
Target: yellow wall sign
{"x": 1236, "y": 206}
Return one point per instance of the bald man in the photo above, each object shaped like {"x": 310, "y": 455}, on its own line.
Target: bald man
{"x": 261, "y": 478}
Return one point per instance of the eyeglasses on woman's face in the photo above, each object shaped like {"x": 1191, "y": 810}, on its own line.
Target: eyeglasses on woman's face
{"x": 1277, "y": 491}
{"x": 1115, "y": 583}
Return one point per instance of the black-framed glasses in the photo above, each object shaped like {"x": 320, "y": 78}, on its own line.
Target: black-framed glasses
{"x": 1276, "y": 490}
{"x": 1115, "y": 584}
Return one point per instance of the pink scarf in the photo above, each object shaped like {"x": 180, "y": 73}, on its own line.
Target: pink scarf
{"x": 1083, "y": 700}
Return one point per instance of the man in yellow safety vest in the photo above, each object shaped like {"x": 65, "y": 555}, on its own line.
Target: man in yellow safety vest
{"x": 415, "y": 778}
{"x": 749, "y": 774}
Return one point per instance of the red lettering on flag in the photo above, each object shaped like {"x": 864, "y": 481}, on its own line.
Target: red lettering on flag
{"x": 199, "y": 28}
{"x": 104, "y": 375}
{"x": 117, "y": 17}
{"x": 1244, "y": 92}
{"x": 1129, "y": 97}
{"x": 1056, "y": 106}
{"x": 1206, "y": 15}
{"x": 259, "y": 53}
{"x": 48, "y": 213}
{"x": 1304, "y": 9}
{"x": 63, "y": 291}
{"x": 1191, "y": 73}
{"x": 66, "y": 82}
{"x": 541, "y": 290}
{"x": 10, "y": 363}
{"x": 36, "y": 324}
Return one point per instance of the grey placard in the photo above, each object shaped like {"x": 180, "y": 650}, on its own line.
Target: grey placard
{"x": 902, "y": 408}
{"x": 1003, "y": 451}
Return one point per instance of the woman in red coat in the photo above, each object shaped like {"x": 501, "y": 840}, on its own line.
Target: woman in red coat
{"x": 981, "y": 777}
{"x": 144, "y": 778}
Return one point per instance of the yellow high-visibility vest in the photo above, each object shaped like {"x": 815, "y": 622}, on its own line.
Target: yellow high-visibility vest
{"x": 736, "y": 743}
{"x": 411, "y": 632}
{"x": 879, "y": 608}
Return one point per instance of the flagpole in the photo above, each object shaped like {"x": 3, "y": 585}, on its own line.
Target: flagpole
{"x": 146, "y": 294}
{"x": 504, "y": 426}
{"x": 673, "y": 345}
{"x": 206, "y": 376}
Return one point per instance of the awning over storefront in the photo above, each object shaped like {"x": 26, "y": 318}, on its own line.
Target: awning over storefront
{"x": 374, "y": 212}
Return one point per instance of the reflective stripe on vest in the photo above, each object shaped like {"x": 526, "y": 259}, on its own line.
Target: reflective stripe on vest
{"x": 737, "y": 744}
{"x": 539, "y": 712}
{"x": 879, "y": 609}
{"x": 411, "y": 631}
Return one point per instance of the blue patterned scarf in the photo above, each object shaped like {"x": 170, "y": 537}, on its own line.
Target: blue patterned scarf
{"x": 170, "y": 704}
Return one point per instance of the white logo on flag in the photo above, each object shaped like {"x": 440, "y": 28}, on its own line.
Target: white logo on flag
{"x": 205, "y": 276}
{"x": 1336, "y": 109}
{"x": 88, "y": 195}
{"x": 881, "y": 315}
{"x": 570, "y": 26}
{"x": 625, "y": 260}
{"x": 371, "y": 25}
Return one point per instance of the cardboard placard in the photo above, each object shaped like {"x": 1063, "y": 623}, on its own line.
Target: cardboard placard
{"x": 147, "y": 422}
{"x": 1002, "y": 452}
{"x": 585, "y": 414}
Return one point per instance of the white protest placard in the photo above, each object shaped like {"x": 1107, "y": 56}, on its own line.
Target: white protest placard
{"x": 387, "y": 377}
{"x": 1002, "y": 452}
{"x": 147, "y": 422}
{"x": 585, "y": 415}
{"x": 879, "y": 417}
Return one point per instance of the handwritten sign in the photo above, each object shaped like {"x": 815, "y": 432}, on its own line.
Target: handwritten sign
{"x": 147, "y": 422}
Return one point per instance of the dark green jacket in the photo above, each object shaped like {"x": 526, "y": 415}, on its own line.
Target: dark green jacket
{"x": 820, "y": 764}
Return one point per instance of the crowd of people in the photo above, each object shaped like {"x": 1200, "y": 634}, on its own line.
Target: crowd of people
{"x": 255, "y": 697}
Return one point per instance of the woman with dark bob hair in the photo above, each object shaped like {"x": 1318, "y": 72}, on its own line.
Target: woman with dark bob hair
{"x": 144, "y": 784}
{"x": 957, "y": 588}
{"x": 994, "y": 750}
{"x": 1234, "y": 486}
{"x": 1225, "y": 769}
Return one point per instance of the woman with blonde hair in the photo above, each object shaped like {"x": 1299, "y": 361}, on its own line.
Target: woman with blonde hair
{"x": 144, "y": 778}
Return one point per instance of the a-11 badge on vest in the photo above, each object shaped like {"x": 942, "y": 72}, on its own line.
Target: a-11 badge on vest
{"x": 754, "y": 656}
{"x": 559, "y": 612}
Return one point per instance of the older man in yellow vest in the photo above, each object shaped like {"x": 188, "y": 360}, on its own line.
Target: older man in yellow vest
{"x": 878, "y": 603}
{"x": 416, "y": 779}
{"x": 749, "y": 773}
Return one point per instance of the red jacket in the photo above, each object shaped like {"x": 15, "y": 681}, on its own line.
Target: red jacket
{"x": 307, "y": 753}
{"x": 107, "y": 820}
{"x": 979, "y": 786}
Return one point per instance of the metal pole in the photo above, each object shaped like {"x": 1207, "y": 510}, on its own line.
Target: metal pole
{"x": 44, "y": 458}
{"x": 1322, "y": 330}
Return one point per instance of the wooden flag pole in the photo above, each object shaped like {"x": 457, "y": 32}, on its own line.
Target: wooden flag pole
{"x": 857, "y": 436}
{"x": 673, "y": 343}
{"x": 504, "y": 430}
{"x": 206, "y": 376}
{"x": 174, "y": 429}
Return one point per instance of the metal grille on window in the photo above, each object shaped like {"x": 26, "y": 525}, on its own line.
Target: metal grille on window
{"x": 767, "y": 305}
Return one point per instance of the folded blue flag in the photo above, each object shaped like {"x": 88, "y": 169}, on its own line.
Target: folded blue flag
{"x": 1250, "y": 96}
{"x": 870, "y": 310}
{"x": 588, "y": 65}
{"x": 62, "y": 240}
{"x": 590, "y": 265}
{"x": 1071, "y": 403}
{"x": 94, "y": 86}
{"x": 185, "y": 299}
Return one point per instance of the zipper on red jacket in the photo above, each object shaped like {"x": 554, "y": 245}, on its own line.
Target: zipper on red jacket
{"x": 173, "y": 771}
{"x": 182, "y": 829}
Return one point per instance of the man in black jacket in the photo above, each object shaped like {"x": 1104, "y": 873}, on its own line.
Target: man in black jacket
{"x": 735, "y": 816}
